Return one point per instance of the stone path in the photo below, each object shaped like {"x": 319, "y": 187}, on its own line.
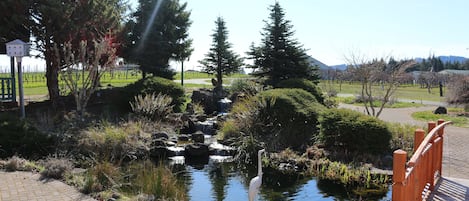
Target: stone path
{"x": 19, "y": 186}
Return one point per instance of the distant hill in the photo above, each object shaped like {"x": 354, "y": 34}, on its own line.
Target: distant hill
{"x": 314, "y": 61}
{"x": 323, "y": 66}
{"x": 340, "y": 67}
{"x": 445, "y": 59}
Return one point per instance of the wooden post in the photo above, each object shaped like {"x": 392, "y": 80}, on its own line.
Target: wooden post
{"x": 398, "y": 177}
{"x": 431, "y": 126}
{"x": 442, "y": 130}
{"x": 440, "y": 148}
{"x": 419, "y": 135}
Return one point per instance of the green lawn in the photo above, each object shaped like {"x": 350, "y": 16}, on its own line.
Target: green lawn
{"x": 459, "y": 121}
{"x": 351, "y": 100}
{"x": 35, "y": 84}
{"x": 404, "y": 91}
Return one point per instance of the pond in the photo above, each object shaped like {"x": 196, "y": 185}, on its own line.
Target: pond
{"x": 219, "y": 181}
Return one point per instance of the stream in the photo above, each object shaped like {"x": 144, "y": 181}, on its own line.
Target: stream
{"x": 223, "y": 181}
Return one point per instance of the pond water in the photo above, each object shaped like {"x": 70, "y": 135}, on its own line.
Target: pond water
{"x": 224, "y": 181}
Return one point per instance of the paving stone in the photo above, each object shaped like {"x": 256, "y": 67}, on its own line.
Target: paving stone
{"x": 19, "y": 186}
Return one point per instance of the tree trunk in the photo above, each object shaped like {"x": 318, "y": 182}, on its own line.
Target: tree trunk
{"x": 52, "y": 77}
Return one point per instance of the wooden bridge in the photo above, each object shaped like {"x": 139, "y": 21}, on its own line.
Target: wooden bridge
{"x": 421, "y": 177}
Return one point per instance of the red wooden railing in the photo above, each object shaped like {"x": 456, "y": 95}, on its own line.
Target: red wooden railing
{"x": 413, "y": 180}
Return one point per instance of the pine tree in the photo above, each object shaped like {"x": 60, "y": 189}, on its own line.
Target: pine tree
{"x": 159, "y": 34}
{"x": 280, "y": 57}
{"x": 221, "y": 60}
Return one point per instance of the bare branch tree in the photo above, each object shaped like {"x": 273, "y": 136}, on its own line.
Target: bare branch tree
{"x": 379, "y": 80}
{"x": 458, "y": 90}
{"x": 83, "y": 67}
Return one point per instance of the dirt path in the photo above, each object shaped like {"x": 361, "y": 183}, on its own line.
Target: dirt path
{"x": 456, "y": 141}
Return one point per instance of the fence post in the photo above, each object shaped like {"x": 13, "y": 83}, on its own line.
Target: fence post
{"x": 398, "y": 177}
{"x": 440, "y": 148}
{"x": 431, "y": 126}
{"x": 419, "y": 135}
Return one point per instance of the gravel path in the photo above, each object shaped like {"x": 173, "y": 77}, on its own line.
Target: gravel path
{"x": 456, "y": 141}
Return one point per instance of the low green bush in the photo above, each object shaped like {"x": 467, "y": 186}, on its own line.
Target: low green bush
{"x": 281, "y": 118}
{"x": 158, "y": 85}
{"x": 343, "y": 129}
{"x": 19, "y": 137}
{"x": 119, "y": 98}
{"x": 247, "y": 86}
{"x": 304, "y": 84}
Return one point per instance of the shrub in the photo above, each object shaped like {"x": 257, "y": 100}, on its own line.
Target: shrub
{"x": 151, "y": 106}
{"x": 101, "y": 176}
{"x": 15, "y": 163}
{"x": 229, "y": 129}
{"x": 19, "y": 137}
{"x": 279, "y": 117}
{"x": 158, "y": 85}
{"x": 56, "y": 167}
{"x": 246, "y": 86}
{"x": 304, "y": 84}
{"x": 114, "y": 143}
{"x": 352, "y": 131}
{"x": 402, "y": 136}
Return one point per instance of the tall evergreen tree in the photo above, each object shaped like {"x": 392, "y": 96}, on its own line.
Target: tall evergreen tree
{"x": 221, "y": 60}
{"x": 14, "y": 22}
{"x": 159, "y": 34}
{"x": 280, "y": 57}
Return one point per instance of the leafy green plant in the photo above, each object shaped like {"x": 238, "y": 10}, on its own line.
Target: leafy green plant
{"x": 155, "y": 107}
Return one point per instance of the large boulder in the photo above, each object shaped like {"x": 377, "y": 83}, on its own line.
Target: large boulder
{"x": 440, "y": 110}
{"x": 158, "y": 152}
{"x": 160, "y": 135}
{"x": 205, "y": 98}
{"x": 183, "y": 137}
{"x": 198, "y": 137}
{"x": 196, "y": 150}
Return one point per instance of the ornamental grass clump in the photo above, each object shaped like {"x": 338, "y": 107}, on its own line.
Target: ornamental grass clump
{"x": 151, "y": 106}
{"x": 56, "y": 168}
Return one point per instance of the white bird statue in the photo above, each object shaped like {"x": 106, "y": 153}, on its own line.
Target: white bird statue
{"x": 256, "y": 181}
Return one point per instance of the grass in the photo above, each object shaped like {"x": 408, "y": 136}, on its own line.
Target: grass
{"x": 412, "y": 92}
{"x": 429, "y": 116}
{"x": 200, "y": 75}
{"x": 351, "y": 100}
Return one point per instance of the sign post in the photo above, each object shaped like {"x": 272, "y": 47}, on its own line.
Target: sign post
{"x": 18, "y": 49}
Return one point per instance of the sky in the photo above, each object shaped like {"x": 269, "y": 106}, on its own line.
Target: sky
{"x": 332, "y": 30}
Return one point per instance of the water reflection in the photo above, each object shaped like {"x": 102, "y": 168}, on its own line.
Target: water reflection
{"x": 225, "y": 182}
